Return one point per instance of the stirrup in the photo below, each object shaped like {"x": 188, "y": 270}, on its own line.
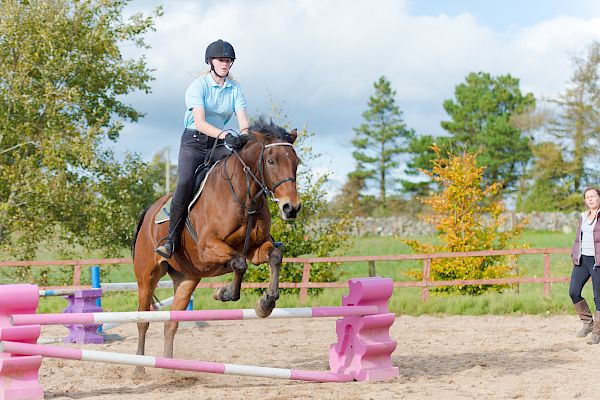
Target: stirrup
{"x": 166, "y": 249}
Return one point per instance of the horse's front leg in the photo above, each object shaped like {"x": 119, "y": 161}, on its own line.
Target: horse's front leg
{"x": 231, "y": 292}
{"x": 220, "y": 253}
{"x": 265, "y": 305}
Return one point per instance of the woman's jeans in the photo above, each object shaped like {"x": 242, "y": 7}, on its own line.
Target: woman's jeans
{"x": 580, "y": 275}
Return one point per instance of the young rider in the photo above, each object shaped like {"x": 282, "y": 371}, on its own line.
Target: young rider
{"x": 211, "y": 100}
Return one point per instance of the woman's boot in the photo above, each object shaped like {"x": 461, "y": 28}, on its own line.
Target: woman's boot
{"x": 595, "y": 336}
{"x": 167, "y": 246}
{"x": 585, "y": 315}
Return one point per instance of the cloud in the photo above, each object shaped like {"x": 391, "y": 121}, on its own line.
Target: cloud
{"x": 320, "y": 59}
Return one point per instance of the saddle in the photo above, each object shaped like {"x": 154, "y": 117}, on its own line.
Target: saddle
{"x": 201, "y": 175}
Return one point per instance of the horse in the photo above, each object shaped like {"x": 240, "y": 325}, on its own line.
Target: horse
{"x": 232, "y": 221}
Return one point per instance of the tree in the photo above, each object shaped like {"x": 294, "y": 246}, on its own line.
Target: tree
{"x": 577, "y": 125}
{"x": 467, "y": 218}
{"x": 551, "y": 181}
{"x": 62, "y": 82}
{"x": 483, "y": 121}
{"x": 380, "y": 140}
{"x": 350, "y": 199}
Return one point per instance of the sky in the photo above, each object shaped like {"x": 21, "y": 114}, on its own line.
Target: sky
{"x": 318, "y": 59}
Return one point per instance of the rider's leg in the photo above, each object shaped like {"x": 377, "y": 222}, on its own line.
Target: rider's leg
{"x": 192, "y": 151}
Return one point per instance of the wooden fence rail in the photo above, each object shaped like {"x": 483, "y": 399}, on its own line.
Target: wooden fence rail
{"x": 307, "y": 263}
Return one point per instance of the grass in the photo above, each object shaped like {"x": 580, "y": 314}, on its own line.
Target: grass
{"x": 521, "y": 299}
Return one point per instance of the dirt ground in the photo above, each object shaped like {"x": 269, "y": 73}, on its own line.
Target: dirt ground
{"x": 457, "y": 357}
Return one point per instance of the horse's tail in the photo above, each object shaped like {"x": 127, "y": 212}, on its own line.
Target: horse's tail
{"x": 137, "y": 230}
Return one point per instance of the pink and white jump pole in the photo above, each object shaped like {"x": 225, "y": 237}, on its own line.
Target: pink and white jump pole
{"x": 27, "y": 349}
{"x": 197, "y": 315}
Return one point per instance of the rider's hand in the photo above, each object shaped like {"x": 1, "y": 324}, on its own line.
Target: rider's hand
{"x": 234, "y": 141}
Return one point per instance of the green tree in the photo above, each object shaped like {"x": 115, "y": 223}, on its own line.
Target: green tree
{"x": 421, "y": 157}
{"x": 551, "y": 180}
{"x": 381, "y": 139}
{"x": 62, "y": 83}
{"x": 577, "y": 124}
{"x": 480, "y": 121}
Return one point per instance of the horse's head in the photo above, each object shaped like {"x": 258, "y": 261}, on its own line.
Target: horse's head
{"x": 278, "y": 164}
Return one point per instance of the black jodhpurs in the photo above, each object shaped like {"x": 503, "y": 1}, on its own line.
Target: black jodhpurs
{"x": 192, "y": 152}
{"x": 580, "y": 275}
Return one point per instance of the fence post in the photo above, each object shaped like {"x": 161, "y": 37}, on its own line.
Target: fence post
{"x": 372, "y": 269}
{"x": 426, "y": 274}
{"x": 305, "y": 280}
{"x": 546, "y": 274}
{"x": 77, "y": 275}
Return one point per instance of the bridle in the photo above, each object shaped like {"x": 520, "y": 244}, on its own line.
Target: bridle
{"x": 261, "y": 182}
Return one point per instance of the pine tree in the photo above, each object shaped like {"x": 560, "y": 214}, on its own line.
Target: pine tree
{"x": 381, "y": 139}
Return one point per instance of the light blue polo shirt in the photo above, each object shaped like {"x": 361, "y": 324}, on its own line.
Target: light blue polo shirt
{"x": 219, "y": 103}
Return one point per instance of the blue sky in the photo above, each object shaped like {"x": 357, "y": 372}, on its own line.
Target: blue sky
{"x": 318, "y": 60}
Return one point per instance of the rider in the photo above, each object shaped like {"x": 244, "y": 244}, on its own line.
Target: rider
{"x": 211, "y": 100}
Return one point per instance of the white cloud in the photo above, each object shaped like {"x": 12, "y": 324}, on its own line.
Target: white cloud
{"x": 320, "y": 58}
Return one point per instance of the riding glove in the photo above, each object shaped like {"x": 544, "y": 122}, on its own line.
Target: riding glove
{"x": 235, "y": 141}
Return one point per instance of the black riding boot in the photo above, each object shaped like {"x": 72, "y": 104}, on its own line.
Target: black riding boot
{"x": 176, "y": 223}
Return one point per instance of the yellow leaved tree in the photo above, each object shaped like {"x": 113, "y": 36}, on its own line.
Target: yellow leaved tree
{"x": 468, "y": 217}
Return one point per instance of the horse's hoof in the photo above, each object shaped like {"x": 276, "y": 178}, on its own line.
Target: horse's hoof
{"x": 219, "y": 293}
{"x": 264, "y": 306}
{"x": 139, "y": 375}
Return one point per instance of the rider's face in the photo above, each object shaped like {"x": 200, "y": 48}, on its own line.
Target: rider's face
{"x": 222, "y": 65}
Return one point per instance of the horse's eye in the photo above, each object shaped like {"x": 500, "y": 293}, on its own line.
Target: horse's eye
{"x": 270, "y": 161}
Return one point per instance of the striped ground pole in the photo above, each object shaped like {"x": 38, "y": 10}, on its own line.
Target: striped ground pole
{"x": 196, "y": 315}
{"x": 27, "y": 349}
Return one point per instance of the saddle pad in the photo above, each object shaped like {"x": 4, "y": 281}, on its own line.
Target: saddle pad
{"x": 163, "y": 214}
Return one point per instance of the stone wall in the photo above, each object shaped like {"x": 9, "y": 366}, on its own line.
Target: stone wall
{"x": 408, "y": 226}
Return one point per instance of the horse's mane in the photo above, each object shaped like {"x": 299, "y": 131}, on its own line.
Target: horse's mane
{"x": 270, "y": 130}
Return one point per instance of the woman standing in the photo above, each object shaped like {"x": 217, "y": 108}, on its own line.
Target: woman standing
{"x": 586, "y": 264}
{"x": 211, "y": 100}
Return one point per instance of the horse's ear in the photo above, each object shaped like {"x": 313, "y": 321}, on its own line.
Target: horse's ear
{"x": 293, "y": 135}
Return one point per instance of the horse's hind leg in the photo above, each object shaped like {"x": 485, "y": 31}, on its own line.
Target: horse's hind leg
{"x": 183, "y": 287}
{"x": 231, "y": 292}
{"x": 147, "y": 281}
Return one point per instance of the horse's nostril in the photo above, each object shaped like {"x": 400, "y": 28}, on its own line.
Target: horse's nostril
{"x": 286, "y": 208}
{"x": 299, "y": 207}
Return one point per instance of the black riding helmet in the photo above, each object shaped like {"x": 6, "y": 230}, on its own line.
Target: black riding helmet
{"x": 219, "y": 49}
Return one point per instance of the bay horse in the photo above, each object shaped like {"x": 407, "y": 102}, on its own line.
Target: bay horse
{"x": 233, "y": 223}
